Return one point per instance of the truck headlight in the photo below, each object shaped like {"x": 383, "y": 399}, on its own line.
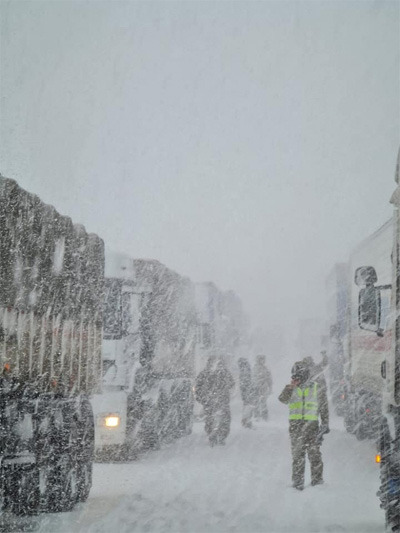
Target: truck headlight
{"x": 112, "y": 421}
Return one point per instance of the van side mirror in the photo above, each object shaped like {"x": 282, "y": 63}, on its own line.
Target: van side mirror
{"x": 369, "y": 300}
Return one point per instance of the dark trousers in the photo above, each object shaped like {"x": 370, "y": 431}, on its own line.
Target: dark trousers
{"x": 261, "y": 408}
{"x": 304, "y": 440}
{"x": 218, "y": 423}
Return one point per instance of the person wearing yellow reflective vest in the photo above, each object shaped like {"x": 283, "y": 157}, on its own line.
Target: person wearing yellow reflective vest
{"x": 308, "y": 403}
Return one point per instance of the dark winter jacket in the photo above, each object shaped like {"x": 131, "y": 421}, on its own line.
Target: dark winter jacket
{"x": 201, "y": 386}
{"x": 262, "y": 380}
{"x": 216, "y": 388}
{"x": 245, "y": 382}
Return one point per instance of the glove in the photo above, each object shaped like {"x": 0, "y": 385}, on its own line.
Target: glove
{"x": 323, "y": 430}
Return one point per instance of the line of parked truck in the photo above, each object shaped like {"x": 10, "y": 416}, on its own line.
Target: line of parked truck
{"x": 78, "y": 322}
{"x": 98, "y": 353}
{"x": 363, "y": 298}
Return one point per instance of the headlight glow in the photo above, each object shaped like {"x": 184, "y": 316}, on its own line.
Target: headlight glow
{"x": 112, "y": 421}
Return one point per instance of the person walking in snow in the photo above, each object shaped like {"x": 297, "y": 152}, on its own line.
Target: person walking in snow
{"x": 202, "y": 381}
{"x": 262, "y": 387}
{"x": 216, "y": 384}
{"x": 246, "y": 392}
{"x": 307, "y": 402}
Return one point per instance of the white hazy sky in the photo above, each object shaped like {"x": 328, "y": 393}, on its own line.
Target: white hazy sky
{"x": 248, "y": 143}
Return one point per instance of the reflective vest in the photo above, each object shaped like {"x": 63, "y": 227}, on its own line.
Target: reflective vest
{"x": 304, "y": 403}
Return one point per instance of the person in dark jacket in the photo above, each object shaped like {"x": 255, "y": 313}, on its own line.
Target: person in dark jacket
{"x": 262, "y": 387}
{"x": 307, "y": 403}
{"x": 201, "y": 380}
{"x": 246, "y": 392}
{"x": 216, "y": 384}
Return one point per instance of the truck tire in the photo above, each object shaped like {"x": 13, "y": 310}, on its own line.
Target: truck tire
{"x": 84, "y": 480}
{"x": 349, "y": 422}
{"x": 21, "y": 489}
{"x": 61, "y": 484}
{"x": 85, "y": 452}
{"x": 150, "y": 439}
{"x": 390, "y": 502}
{"x": 361, "y": 424}
{"x": 393, "y": 518}
{"x": 389, "y": 491}
{"x": 360, "y": 431}
{"x": 350, "y": 414}
{"x": 64, "y": 486}
{"x": 58, "y": 459}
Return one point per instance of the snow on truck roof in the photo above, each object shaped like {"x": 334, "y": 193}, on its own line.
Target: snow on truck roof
{"x": 118, "y": 265}
{"x": 10, "y": 188}
{"x": 41, "y": 251}
{"x": 121, "y": 265}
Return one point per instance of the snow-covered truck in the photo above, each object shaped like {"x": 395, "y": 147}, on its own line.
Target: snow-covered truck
{"x": 221, "y": 325}
{"x": 208, "y": 313}
{"x": 383, "y": 327}
{"x": 51, "y": 287}
{"x": 148, "y": 357}
{"x": 363, "y": 352}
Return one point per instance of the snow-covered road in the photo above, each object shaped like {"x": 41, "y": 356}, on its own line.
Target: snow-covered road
{"x": 242, "y": 487}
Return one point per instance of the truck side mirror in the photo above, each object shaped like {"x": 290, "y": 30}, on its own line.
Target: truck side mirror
{"x": 365, "y": 275}
{"x": 369, "y": 300}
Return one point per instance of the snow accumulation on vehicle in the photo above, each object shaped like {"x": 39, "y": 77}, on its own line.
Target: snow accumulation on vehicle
{"x": 243, "y": 486}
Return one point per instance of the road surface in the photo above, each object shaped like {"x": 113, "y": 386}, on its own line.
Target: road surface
{"x": 243, "y": 486}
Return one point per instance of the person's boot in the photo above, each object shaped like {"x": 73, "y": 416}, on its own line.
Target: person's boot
{"x": 317, "y": 482}
{"x": 298, "y": 485}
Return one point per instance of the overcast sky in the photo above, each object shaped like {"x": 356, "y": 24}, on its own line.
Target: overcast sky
{"x": 248, "y": 143}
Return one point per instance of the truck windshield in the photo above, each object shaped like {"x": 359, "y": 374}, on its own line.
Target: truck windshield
{"x": 112, "y": 318}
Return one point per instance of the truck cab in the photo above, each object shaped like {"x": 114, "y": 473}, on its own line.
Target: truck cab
{"x": 148, "y": 352}
{"x": 121, "y": 346}
{"x": 370, "y": 318}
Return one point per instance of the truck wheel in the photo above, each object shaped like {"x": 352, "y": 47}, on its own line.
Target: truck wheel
{"x": 393, "y": 517}
{"x": 349, "y": 423}
{"x": 360, "y": 431}
{"x": 84, "y": 481}
{"x": 150, "y": 440}
{"x": 69, "y": 487}
{"x": 349, "y": 416}
{"x": 389, "y": 491}
{"x": 85, "y": 429}
{"x": 61, "y": 471}
{"x": 85, "y": 455}
{"x": 21, "y": 491}
{"x": 61, "y": 490}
